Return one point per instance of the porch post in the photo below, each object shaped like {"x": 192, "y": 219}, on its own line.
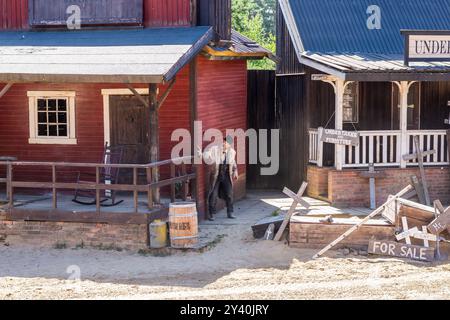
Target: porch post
{"x": 403, "y": 146}
{"x": 154, "y": 136}
{"x": 339, "y": 121}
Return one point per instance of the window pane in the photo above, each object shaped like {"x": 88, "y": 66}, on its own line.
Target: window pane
{"x": 42, "y": 130}
{"x": 62, "y": 117}
{"x": 51, "y": 105}
{"x": 63, "y": 131}
{"x": 42, "y": 104}
{"x": 53, "y": 131}
{"x": 52, "y": 117}
{"x": 62, "y": 105}
{"x": 42, "y": 117}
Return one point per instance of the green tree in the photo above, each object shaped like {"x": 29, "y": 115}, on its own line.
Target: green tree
{"x": 256, "y": 20}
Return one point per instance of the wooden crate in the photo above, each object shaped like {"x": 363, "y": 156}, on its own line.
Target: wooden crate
{"x": 309, "y": 232}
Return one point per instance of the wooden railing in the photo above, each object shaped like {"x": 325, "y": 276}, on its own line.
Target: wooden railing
{"x": 315, "y": 147}
{"x": 378, "y": 147}
{"x": 384, "y": 149}
{"x": 98, "y": 186}
{"x": 430, "y": 140}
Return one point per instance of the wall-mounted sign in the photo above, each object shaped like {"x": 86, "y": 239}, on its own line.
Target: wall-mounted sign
{"x": 426, "y": 46}
{"x": 339, "y": 137}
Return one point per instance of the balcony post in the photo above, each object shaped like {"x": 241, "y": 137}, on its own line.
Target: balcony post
{"x": 339, "y": 121}
{"x": 403, "y": 146}
{"x": 320, "y": 148}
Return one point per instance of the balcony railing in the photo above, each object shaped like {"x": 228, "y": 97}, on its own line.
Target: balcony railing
{"x": 384, "y": 149}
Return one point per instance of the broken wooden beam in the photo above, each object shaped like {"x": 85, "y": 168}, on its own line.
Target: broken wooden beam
{"x": 360, "y": 224}
{"x": 290, "y": 212}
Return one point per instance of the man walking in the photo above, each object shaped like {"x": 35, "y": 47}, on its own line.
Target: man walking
{"x": 223, "y": 159}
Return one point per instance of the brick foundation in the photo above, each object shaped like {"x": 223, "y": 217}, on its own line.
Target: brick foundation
{"x": 318, "y": 182}
{"x": 347, "y": 189}
{"x": 73, "y": 235}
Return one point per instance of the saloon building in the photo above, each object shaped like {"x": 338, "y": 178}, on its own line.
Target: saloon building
{"x": 134, "y": 72}
{"x": 375, "y": 70}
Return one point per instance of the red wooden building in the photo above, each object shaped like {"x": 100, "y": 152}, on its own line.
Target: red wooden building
{"x": 65, "y": 93}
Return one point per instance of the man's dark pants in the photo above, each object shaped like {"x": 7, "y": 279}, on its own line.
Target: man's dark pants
{"x": 225, "y": 187}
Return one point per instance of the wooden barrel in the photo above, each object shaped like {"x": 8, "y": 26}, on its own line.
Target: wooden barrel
{"x": 183, "y": 224}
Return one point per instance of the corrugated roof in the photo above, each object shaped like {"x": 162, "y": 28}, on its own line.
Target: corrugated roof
{"x": 381, "y": 67}
{"x": 139, "y": 56}
{"x": 240, "y": 46}
{"x": 341, "y": 25}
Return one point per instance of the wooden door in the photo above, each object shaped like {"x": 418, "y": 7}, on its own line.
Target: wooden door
{"x": 129, "y": 130}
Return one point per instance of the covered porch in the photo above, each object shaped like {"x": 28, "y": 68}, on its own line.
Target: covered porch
{"x": 392, "y": 111}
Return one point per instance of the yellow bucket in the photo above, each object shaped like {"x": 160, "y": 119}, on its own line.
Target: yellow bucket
{"x": 158, "y": 234}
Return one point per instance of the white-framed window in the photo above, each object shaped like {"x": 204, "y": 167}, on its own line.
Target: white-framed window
{"x": 52, "y": 117}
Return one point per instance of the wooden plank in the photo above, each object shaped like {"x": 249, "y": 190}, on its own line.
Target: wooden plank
{"x": 6, "y": 89}
{"x": 419, "y": 189}
{"x": 391, "y": 211}
{"x": 296, "y": 198}
{"x": 83, "y": 217}
{"x": 290, "y": 213}
{"x": 422, "y": 171}
{"x": 407, "y": 233}
{"x": 410, "y": 157}
{"x": 441, "y": 223}
{"x": 356, "y": 227}
{"x": 394, "y": 249}
{"x": 261, "y": 226}
{"x": 438, "y": 205}
{"x": 54, "y": 191}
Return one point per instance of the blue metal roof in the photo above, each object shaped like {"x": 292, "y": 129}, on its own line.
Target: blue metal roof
{"x": 328, "y": 26}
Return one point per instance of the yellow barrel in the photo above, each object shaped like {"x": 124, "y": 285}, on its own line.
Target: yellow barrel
{"x": 183, "y": 225}
{"x": 158, "y": 234}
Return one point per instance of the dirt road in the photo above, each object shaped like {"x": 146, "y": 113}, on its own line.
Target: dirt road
{"x": 239, "y": 267}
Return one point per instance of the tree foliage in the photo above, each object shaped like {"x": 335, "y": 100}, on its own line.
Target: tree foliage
{"x": 256, "y": 20}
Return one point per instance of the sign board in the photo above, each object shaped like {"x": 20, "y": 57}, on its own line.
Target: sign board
{"x": 426, "y": 46}
{"x": 323, "y": 77}
{"x": 399, "y": 250}
{"x": 441, "y": 223}
{"x": 339, "y": 137}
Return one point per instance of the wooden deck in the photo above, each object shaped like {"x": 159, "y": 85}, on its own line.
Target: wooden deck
{"x": 40, "y": 208}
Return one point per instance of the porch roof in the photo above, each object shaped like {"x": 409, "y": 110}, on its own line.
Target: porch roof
{"x": 375, "y": 67}
{"x": 111, "y": 56}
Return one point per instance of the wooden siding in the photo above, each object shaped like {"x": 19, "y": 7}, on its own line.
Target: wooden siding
{"x": 216, "y": 13}
{"x": 262, "y": 115}
{"x": 222, "y": 104}
{"x": 287, "y": 113}
{"x": 289, "y": 63}
{"x": 13, "y": 14}
{"x": 293, "y": 120}
{"x": 53, "y": 12}
{"x": 167, "y": 13}
{"x": 14, "y": 123}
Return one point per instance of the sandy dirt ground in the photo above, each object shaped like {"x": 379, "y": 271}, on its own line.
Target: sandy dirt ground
{"x": 238, "y": 267}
